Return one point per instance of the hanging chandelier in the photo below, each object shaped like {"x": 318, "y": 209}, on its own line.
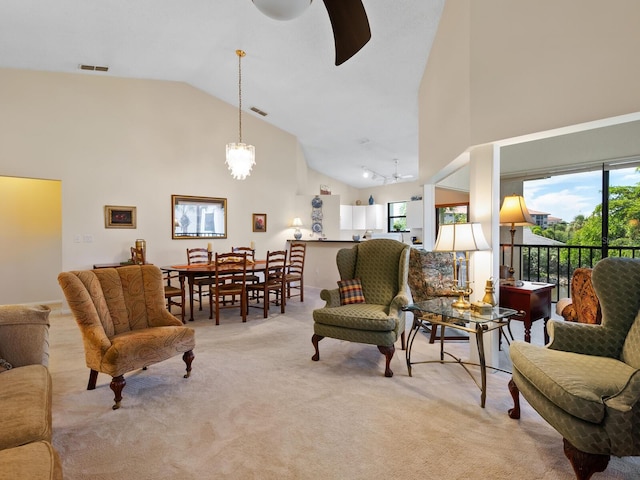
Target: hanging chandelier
{"x": 240, "y": 156}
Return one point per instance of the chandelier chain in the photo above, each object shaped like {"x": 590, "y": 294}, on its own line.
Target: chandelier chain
{"x": 240, "y": 54}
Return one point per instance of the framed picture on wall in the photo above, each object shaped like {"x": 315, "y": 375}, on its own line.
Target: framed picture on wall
{"x": 325, "y": 190}
{"x": 259, "y": 222}
{"x": 119, "y": 217}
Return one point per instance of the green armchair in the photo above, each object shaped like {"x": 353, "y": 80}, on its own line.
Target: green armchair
{"x": 376, "y": 316}
{"x": 586, "y": 383}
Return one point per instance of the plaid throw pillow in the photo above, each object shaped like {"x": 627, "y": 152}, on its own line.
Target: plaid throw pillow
{"x": 350, "y": 291}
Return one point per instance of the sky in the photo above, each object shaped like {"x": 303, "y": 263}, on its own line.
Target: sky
{"x": 566, "y": 196}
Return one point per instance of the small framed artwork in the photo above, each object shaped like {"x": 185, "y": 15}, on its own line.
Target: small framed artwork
{"x": 259, "y": 222}
{"x": 325, "y": 190}
{"x": 119, "y": 217}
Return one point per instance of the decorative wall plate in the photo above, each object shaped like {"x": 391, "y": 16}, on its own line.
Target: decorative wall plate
{"x": 316, "y": 202}
{"x": 317, "y": 227}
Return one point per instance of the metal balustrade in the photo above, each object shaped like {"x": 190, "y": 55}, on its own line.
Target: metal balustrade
{"x": 556, "y": 263}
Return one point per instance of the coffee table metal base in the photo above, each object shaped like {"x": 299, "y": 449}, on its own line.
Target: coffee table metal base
{"x": 419, "y": 321}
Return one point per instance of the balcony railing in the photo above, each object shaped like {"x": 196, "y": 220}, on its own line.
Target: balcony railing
{"x": 555, "y": 264}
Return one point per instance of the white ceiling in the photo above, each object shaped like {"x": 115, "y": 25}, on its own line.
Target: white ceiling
{"x": 362, "y": 113}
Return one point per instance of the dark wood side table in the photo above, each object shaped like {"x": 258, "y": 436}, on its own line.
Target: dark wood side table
{"x": 532, "y": 298}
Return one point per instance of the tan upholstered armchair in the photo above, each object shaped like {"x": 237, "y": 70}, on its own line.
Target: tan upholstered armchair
{"x": 586, "y": 381}
{"x": 124, "y": 323}
{"x": 375, "y": 317}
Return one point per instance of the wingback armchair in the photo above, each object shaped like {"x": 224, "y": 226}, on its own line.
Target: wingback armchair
{"x": 367, "y": 306}
{"x": 124, "y": 323}
{"x": 586, "y": 381}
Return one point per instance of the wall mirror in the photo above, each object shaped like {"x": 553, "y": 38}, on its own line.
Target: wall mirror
{"x": 198, "y": 217}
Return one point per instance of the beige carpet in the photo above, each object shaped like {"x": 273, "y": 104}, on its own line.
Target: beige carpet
{"x": 257, "y": 407}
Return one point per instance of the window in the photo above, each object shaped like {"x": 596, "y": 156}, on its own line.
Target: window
{"x": 397, "y": 217}
{"x": 451, "y": 213}
{"x": 579, "y": 207}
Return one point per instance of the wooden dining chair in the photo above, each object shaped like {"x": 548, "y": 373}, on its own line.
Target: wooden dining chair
{"x": 251, "y": 258}
{"x": 229, "y": 281}
{"x": 171, "y": 291}
{"x": 294, "y": 278}
{"x": 200, "y": 256}
{"x": 274, "y": 275}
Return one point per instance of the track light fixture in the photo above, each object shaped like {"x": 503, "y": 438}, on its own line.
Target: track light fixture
{"x": 368, "y": 173}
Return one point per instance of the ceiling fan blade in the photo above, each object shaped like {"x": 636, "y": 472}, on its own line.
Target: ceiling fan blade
{"x": 350, "y": 27}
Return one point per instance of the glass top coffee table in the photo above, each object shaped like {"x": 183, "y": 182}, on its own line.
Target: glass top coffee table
{"x": 438, "y": 311}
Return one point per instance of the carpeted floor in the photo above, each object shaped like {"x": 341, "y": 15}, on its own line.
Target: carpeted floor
{"x": 257, "y": 407}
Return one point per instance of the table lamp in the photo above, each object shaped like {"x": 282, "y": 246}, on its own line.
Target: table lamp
{"x": 514, "y": 213}
{"x": 297, "y": 223}
{"x": 461, "y": 237}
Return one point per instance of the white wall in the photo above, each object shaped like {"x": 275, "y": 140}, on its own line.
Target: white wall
{"x": 112, "y": 141}
{"x": 504, "y": 68}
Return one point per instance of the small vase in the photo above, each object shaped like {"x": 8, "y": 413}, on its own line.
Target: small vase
{"x": 371, "y": 201}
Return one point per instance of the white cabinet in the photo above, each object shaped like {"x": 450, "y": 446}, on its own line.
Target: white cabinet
{"x": 362, "y": 217}
{"x": 346, "y": 217}
{"x": 375, "y": 217}
{"x": 359, "y": 217}
{"x": 415, "y": 213}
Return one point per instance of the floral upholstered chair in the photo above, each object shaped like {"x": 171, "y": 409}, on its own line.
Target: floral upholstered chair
{"x": 367, "y": 305}
{"x": 583, "y": 306}
{"x": 586, "y": 381}
{"x": 124, "y": 323}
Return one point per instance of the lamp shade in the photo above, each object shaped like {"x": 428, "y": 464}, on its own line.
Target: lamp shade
{"x": 282, "y": 9}
{"x": 296, "y": 222}
{"x": 460, "y": 237}
{"x": 514, "y": 212}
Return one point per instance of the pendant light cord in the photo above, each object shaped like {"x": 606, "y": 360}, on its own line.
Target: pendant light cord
{"x": 240, "y": 54}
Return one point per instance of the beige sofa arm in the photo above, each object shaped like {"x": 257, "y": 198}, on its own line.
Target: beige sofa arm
{"x": 24, "y": 334}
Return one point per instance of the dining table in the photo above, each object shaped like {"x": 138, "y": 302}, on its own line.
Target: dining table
{"x": 191, "y": 272}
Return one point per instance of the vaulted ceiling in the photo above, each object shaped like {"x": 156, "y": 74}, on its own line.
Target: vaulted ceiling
{"x": 362, "y": 113}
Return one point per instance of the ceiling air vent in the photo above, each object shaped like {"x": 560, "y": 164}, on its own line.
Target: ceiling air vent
{"x": 94, "y": 68}
{"x": 258, "y": 111}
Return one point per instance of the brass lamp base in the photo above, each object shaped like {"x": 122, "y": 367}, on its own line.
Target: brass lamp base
{"x": 461, "y": 303}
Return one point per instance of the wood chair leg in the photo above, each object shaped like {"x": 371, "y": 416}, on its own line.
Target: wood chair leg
{"x": 515, "y": 394}
{"x": 93, "y": 378}
{"x": 243, "y": 307}
{"x": 403, "y": 340}
{"x": 265, "y": 304}
{"x": 315, "y": 339}
{"x": 283, "y": 300}
{"x": 117, "y": 384}
{"x": 188, "y": 357}
{"x": 388, "y": 353}
{"x": 585, "y": 464}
